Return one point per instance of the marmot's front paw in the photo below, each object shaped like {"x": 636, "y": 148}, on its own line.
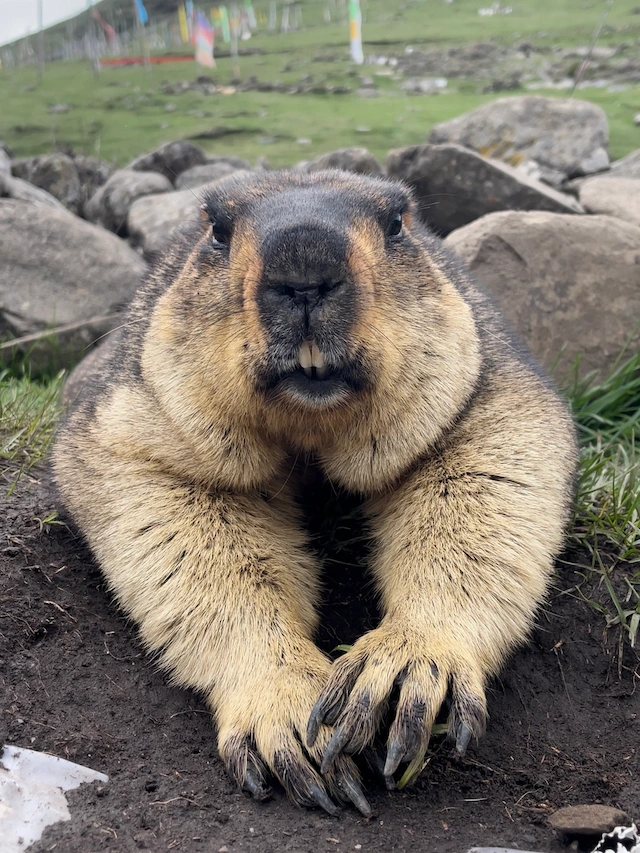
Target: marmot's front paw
{"x": 262, "y": 731}
{"x": 426, "y": 668}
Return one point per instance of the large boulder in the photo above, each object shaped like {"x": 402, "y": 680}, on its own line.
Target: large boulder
{"x": 93, "y": 173}
{"x": 213, "y": 170}
{"x": 565, "y": 137}
{"x": 618, "y": 197}
{"x": 626, "y": 167}
{"x": 24, "y": 191}
{"x": 5, "y": 163}
{"x": 348, "y": 160}
{"x": 454, "y": 186}
{"x": 110, "y": 205}
{"x": 171, "y": 159}
{"x": 55, "y": 173}
{"x": 59, "y": 271}
{"x": 567, "y": 283}
{"x": 153, "y": 221}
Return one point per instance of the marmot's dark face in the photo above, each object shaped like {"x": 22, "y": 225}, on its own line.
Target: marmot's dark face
{"x": 310, "y": 259}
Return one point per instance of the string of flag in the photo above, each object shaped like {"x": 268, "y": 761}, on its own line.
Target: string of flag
{"x": 238, "y": 22}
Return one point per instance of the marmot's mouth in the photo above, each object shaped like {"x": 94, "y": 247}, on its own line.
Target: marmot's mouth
{"x": 309, "y": 379}
{"x": 306, "y": 386}
{"x": 313, "y": 362}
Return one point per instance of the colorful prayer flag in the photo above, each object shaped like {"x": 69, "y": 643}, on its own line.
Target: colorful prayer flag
{"x": 191, "y": 20}
{"x": 204, "y": 42}
{"x": 143, "y": 17}
{"x": 355, "y": 31}
{"x": 184, "y": 26}
{"x": 107, "y": 29}
{"x": 251, "y": 15}
{"x": 224, "y": 22}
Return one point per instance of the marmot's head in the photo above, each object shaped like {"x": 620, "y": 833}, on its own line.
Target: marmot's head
{"x": 310, "y": 294}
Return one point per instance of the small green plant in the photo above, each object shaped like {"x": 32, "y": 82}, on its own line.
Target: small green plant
{"x": 29, "y": 413}
{"x": 607, "y": 522}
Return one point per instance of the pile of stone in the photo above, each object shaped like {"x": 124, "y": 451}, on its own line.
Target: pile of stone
{"x": 521, "y": 189}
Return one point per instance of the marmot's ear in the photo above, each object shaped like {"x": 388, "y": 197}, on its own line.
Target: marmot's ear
{"x": 204, "y": 215}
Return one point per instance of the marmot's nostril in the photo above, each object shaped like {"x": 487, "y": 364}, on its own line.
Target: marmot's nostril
{"x": 303, "y": 293}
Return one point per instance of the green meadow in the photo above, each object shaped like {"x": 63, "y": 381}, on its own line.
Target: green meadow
{"x": 125, "y": 112}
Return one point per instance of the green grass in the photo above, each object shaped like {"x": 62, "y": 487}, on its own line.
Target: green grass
{"x": 29, "y": 413}
{"x": 607, "y": 522}
{"x": 608, "y": 416}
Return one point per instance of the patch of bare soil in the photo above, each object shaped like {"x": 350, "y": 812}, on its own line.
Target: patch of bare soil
{"x": 75, "y": 682}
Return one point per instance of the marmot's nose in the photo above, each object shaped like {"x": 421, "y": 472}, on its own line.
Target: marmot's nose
{"x": 304, "y": 263}
{"x": 307, "y": 293}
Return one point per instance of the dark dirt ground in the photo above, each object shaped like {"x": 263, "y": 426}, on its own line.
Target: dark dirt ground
{"x": 75, "y": 682}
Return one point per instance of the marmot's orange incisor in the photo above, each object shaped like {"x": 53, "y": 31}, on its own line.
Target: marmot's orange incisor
{"x": 312, "y": 317}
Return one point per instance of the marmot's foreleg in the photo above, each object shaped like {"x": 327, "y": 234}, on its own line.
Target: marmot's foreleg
{"x": 465, "y": 548}
{"x": 223, "y": 590}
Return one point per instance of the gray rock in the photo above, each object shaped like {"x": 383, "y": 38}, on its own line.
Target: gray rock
{"x": 58, "y": 270}
{"x": 626, "y": 167}
{"x": 22, "y": 167}
{"x": 562, "y": 281}
{"x": 613, "y": 196}
{"x": 424, "y": 85}
{"x": 57, "y": 109}
{"x": 93, "y": 173}
{"x": 454, "y": 186}
{"x": 5, "y": 163}
{"x": 213, "y": 170}
{"x": 348, "y": 160}
{"x": 564, "y": 135}
{"x": 154, "y": 220}
{"x": 55, "y": 173}
{"x": 110, "y": 205}
{"x": 590, "y": 820}
{"x": 171, "y": 159}
{"x": 24, "y": 191}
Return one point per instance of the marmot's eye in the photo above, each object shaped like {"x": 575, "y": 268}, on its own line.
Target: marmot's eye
{"x": 395, "y": 227}
{"x": 220, "y": 237}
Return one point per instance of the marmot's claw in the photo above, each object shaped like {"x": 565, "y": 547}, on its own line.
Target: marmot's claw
{"x": 354, "y": 792}
{"x": 468, "y": 719}
{"x": 315, "y": 721}
{"x": 255, "y": 785}
{"x": 463, "y": 739}
{"x": 246, "y": 768}
{"x": 302, "y": 782}
{"x": 395, "y": 756}
{"x": 320, "y": 798}
{"x": 340, "y": 739}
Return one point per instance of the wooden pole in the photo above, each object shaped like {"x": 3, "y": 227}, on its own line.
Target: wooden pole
{"x": 596, "y": 36}
{"x": 142, "y": 36}
{"x": 40, "y": 43}
{"x": 93, "y": 41}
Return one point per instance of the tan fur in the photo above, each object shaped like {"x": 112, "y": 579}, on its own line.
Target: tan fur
{"x": 179, "y": 477}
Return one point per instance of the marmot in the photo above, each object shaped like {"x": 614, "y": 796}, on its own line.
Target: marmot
{"x": 314, "y": 317}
